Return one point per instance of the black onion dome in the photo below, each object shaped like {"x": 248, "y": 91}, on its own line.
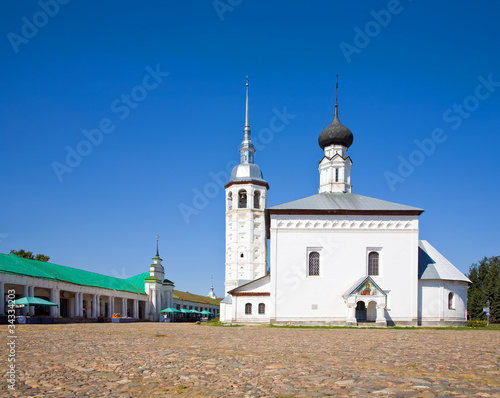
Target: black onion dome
{"x": 335, "y": 133}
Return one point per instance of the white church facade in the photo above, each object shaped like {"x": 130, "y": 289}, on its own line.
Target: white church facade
{"x": 336, "y": 258}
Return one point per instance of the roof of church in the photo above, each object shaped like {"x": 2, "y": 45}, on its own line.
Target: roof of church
{"x": 249, "y": 285}
{"x": 343, "y": 201}
{"x": 246, "y": 172}
{"x": 12, "y": 264}
{"x": 335, "y": 133}
{"x": 433, "y": 265}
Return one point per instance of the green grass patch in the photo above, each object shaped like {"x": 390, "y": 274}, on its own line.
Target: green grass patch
{"x": 216, "y": 322}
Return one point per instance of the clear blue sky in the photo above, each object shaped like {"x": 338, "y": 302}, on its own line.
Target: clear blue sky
{"x": 83, "y": 65}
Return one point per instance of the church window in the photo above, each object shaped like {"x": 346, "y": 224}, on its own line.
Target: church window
{"x": 242, "y": 199}
{"x": 262, "y": 308}
{"x": 373, "y": 263}
{"x": 248, "y": 309}
{"x": 242, "y": 255}
{"x": 451, "y": 301}
{"x": 313, "y": 264}
{"x": 230, "y": 201}
{"x": 256, "y": 200}
{"x": 336, "y": 175}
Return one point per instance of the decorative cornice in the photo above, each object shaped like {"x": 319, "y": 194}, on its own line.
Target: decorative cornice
{"x": 346, "y": 212}
{"x": 250, "y": 294}
{"x": 263, "y": 184}
{"x": 364, "y": 224}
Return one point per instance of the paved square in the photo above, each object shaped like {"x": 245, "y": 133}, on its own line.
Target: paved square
{"x": 153, "y": 359}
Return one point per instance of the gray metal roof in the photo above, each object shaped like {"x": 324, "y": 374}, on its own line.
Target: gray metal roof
{"x": 227, "y": 300}
{"x": 342, "y": 201}
{"x": 248, "y": 284}
{"x": 433, "y": 265}
{"x": 246, "y": 172}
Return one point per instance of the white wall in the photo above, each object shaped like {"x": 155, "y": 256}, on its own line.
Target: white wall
{"x": 343, "y": 243}
{"x": 226, "y": 312}
{"x": 239, "y": 303}
{"x": 433, "y": 302}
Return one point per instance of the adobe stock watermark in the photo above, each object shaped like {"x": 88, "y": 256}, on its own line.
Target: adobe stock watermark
{"x": 454, "y": 116}
{"x": 121, "y": 274}
{"x": 363, "y": 37}
{"x": 11, "y": 339}
{"x": 211, "y": 189}
{"x": 223, "y": 6}
{"x": 121, "y": 108}
{"x": 31, "y": 26}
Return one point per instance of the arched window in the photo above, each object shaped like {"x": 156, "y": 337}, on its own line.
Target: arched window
{"x": 451, "y": 301}
{"x": 248, "y": 309}
{"x": 373, "y": 263}
{"x": 262, "y": 308}
{"x": 314, "y": 264}
{"x": 256, "y": 200}
{"x": 230, "y": 201}
{"x": 242, "y": 199}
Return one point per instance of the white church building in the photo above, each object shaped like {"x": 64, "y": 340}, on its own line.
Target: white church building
{"x": 336, "y": 258}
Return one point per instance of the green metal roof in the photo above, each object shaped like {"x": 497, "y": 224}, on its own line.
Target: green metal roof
{"x": 138, "y": 281}
{"x": 12, "y": 264}
{"x": 195, "y": 298}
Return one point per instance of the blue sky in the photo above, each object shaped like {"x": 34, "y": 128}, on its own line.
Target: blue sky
{"x": 159, "y": 87}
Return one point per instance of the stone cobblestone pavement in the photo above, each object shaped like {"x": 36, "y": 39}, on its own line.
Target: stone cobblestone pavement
{"x": 162, "y": 360}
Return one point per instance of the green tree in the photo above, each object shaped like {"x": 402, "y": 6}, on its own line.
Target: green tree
{"x": 24, "y": 254}
{"x": 485, "y": 278}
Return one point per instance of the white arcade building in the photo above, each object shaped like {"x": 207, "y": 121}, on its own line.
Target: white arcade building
{"x": 337, "y": 258}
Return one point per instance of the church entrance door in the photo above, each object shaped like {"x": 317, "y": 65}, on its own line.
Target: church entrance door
{"x": 371, "y": 311}
{"x": 360, "y": 311}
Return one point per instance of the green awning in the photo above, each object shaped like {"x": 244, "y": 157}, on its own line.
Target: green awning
{"x": 170, "y": 309}
{"x": 31, "y": 301}
{"x": 205, "y": 312}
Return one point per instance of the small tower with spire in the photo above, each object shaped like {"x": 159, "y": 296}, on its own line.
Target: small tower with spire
{"x": 156, "y": 270}
{"x": 211, "y": 294}
{"x": 246, "y": 201}
{"x": 160, "y": 291}
{"x": 335, "y": 167}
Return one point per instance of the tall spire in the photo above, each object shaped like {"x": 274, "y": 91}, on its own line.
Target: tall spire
{"x": 157, "y": 253}
{"x": 246, "y": 109}
{"x": 337, "y": 98}
{"x": 246, "y": 149}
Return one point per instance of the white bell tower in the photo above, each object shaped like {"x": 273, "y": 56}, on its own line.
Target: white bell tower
{"x": 246, "y": 201}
